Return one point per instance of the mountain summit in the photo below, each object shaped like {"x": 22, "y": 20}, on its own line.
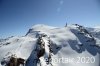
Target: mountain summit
{"x": 73, "y": 45}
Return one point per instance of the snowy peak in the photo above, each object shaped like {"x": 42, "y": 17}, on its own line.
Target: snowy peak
{"x": 43, "y": 44}
{"x": 55, "y": 31}
{"x": 39, "y": 28}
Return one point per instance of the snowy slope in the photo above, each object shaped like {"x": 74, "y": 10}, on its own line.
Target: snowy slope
{"x": 96, "y": 33}
{"x": 68, "y": 46}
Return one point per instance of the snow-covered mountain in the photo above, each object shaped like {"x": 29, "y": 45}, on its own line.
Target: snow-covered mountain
{"x": 43, "y": 45}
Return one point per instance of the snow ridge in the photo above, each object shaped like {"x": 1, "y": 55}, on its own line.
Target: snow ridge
{"x": 43, "y": 44}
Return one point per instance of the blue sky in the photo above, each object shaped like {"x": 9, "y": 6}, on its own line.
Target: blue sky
{"x": 17, "y": 16}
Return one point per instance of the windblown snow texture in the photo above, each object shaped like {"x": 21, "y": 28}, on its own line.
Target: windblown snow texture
{"x": 43, "y": 45}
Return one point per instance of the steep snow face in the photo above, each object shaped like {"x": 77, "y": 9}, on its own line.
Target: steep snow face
{"x": 96, "y": 33}
{"x": 20, "y": 46}
{"x": 71, "y": 46}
